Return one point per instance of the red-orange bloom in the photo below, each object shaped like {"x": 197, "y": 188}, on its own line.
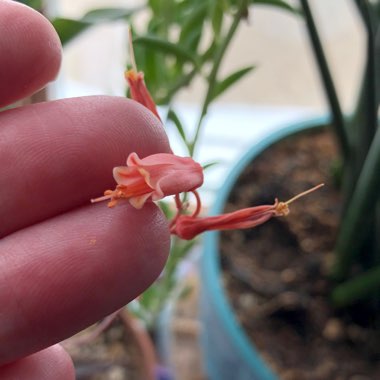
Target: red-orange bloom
{"x": 153, "y": 177}
{"x": 187, "y": 227}
{"x": 139, "y": 91}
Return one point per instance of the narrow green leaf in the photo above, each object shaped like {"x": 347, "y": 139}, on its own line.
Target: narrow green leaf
{"x": 359, "y": 288}
{"x": 216, "y": 16}
{"x": 210, "y": 164}
{"x": 108, "y": 14}
{"x": 354, "y": 227}
{"x": 35, "y": 4}
{"x": 222, "y": 86}
{"x": 166, "y": 47}
{"x": 176, "y": 121}
{"x": 339, "y": 124}
{"x": 154, "y": 5}
{"x": 192, "y": 26}
{"x": 277, "y": 3}
{"x": 67, "y": 29}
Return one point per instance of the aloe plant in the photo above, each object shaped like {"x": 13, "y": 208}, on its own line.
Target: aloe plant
{"x": 357, "y": 263}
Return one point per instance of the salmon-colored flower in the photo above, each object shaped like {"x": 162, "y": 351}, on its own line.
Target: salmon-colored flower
{"x": 187, "y": 227}
{"x": 153, "y": 177}
{"x": 139, "y": 91}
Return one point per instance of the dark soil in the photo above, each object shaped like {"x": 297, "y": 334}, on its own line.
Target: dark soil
{"x": 277, "y": 274}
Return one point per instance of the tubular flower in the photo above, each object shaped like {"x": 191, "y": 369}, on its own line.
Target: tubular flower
{"x": 187, "y": 227}
{"x": 139, "y": 91}
{"x": 153, "y": 178}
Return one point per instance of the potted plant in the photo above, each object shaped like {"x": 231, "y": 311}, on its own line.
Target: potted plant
{"x": 350, "y": 277}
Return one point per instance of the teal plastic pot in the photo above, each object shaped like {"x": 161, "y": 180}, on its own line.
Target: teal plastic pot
{"x": 227, "y": 351}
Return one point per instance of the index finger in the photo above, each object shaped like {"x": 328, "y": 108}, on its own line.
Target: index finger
{"x": 30, "y": 51}
{"x": 57, "y": 156}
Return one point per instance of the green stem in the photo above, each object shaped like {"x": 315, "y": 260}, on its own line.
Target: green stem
{"x": 241, "y": 12}
{"x": 338, "y": 124}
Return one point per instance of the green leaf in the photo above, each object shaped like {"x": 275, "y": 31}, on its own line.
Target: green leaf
{"x": 216, "y": 15}
{"x": 361, "y": 287}
{"x": 67, "y": 29}
{"x": 210, "y": 164}
{"x": 222, "y": 86}
{"x": 166, "y": 47}
{"x": 354, "y": 228}
{"x": 35, "y": 4}
{"x": 191, "y": 28}
{"x": 108, "y": 14}
{"x": 176, "y": 121}
{"x": 276, "y": 3}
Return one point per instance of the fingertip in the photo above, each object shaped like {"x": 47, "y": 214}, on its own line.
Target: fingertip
{"x": 51, "y": 363}
{"x": 33, "y": 51}
{"x": 58, "y": 363}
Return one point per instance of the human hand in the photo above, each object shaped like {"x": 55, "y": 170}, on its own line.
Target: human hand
{"x": 64, "y": 263}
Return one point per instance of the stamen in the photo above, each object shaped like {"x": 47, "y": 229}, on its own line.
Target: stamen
{"x": 107, "y": 195}
{"x": 282, "y": 208}
{"x": 304, "y": 193}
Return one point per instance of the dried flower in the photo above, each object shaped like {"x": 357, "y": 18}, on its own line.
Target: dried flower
{"x": 153, "y": 177}
{"x": 187, "y": 227}
{"x": 139, "y": 91}
{"x": 135, "y": 79}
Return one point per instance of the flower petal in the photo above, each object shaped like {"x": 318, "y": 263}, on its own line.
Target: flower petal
{"x": 187, "y": 227}
{"x": 139, "y": 201}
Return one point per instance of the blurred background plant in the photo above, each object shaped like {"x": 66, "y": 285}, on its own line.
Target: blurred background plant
{"x": 357, "y": 262}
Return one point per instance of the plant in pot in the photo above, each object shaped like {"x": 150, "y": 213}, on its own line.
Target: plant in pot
{"x": 311, "y": 307}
